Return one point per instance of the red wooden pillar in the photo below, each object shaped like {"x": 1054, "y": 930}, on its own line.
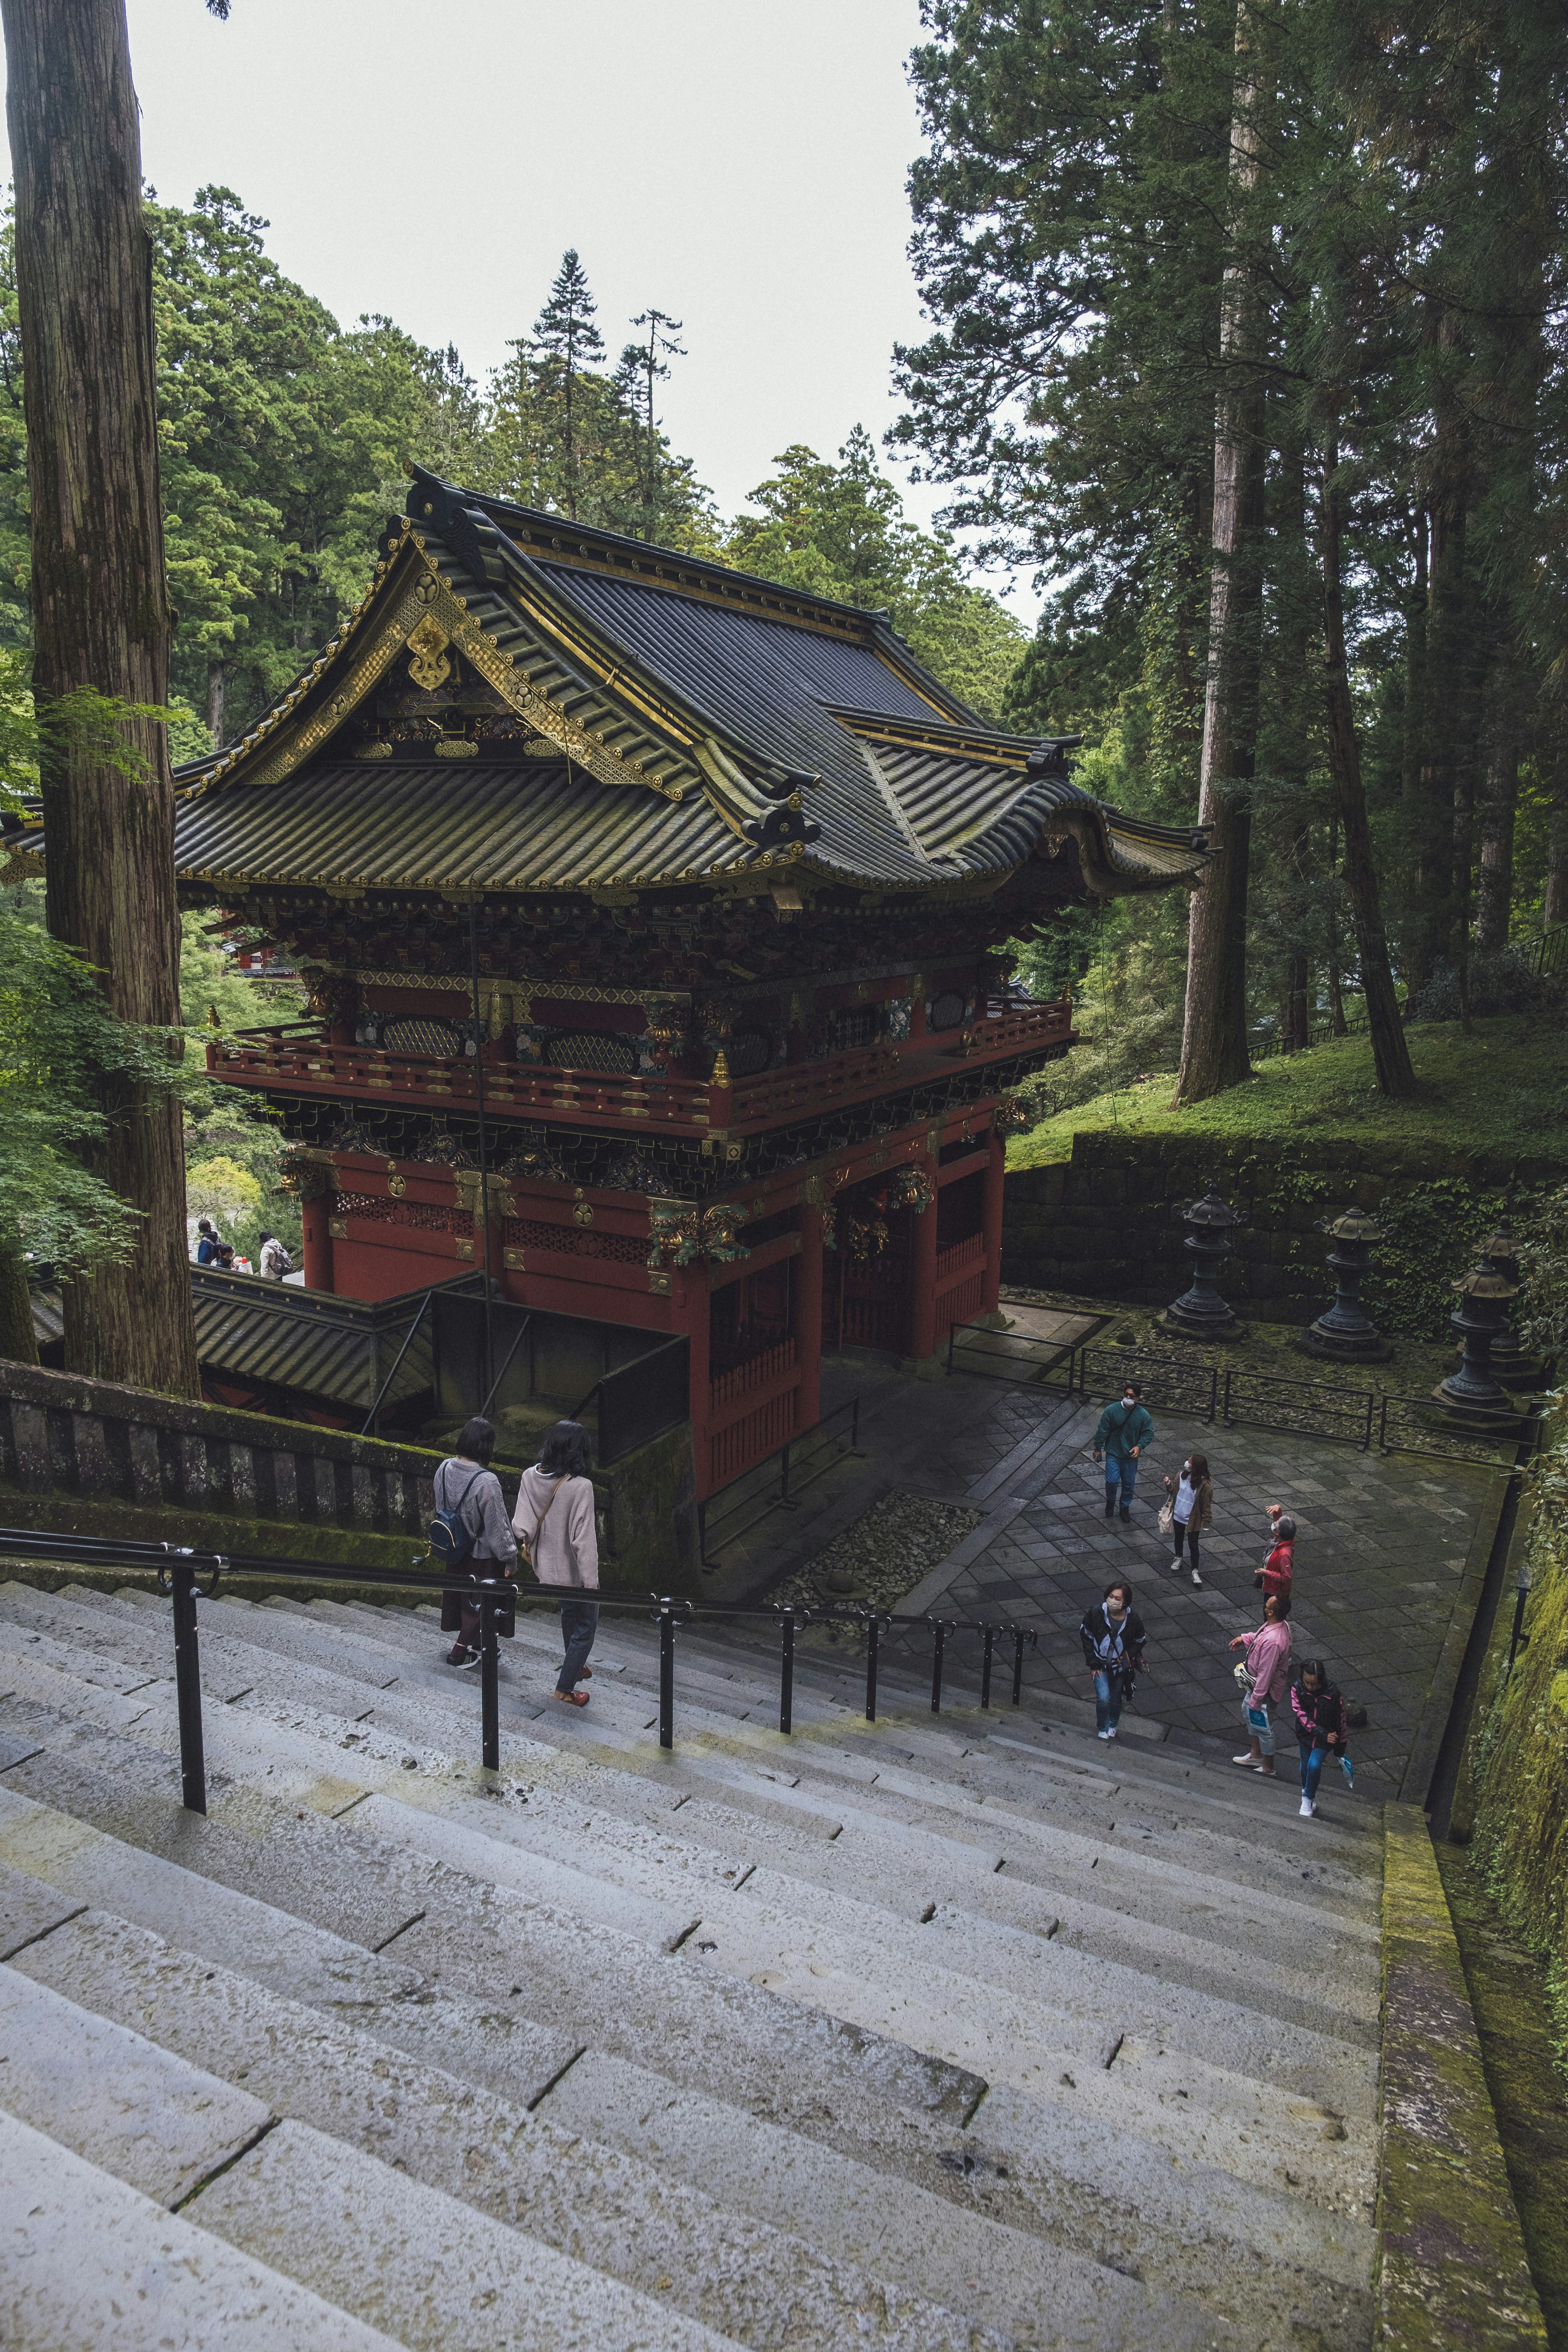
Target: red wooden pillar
{"x": 345, "y": 1005}
{"x": 699, "y": 1322}
{"x": 923, "y": 1286}
{"x": 315, "y": 1211}
{"x": 991, "y": 1222}
{"x": 808, "y": 1318}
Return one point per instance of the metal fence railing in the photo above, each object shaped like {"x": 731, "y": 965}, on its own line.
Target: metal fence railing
{"x": 1234, "y": 1395}
{"x": 179, "y": 1573}
{"x": 775, "y": 1482}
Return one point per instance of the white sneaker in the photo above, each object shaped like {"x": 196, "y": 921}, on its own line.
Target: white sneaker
{"x": 1196, "y": 1578}
{"x": 1105, "y": 1734}
{"x": 1177, "y": 1564}
{"x": 1111, "y": 1733}
{"x": 1307, "y": 1809}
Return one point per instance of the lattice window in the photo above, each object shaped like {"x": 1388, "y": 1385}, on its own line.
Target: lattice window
{"x": 946, "y": 1011}
{"x": 749, "y": 1053}
{"x": 438, "y": 1040}
{"x": 426, "y": 1214}
{"x": 591, "y": 1049}
{"x": 852, "y": 1025}
{"x": 568, "y": 1241}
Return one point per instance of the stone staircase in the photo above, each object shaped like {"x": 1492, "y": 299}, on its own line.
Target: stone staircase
{"x": 966, "y": 2031}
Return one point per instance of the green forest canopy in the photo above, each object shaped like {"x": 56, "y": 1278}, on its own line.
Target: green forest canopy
{"x": 285, "y": 438}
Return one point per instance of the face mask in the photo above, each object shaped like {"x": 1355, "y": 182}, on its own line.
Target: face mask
{"x": 1129, "y": 1401}
{"x": 1186, "y": 1469}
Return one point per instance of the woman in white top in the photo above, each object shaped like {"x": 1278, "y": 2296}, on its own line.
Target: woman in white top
{"x": 555, "y": 1514}
{"x": 1192, "y": 1499}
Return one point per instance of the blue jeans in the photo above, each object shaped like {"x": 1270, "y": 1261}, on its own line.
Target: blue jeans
{"x": 1109, "y": 1691}
{"x": 579, "y": 1622}
{"x": 1120, "y": 1466}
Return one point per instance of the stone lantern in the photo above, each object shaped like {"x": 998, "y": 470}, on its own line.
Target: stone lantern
{"x": 1345, "y": 1333}
{"x": 1481, "y": 1314}
{"x": 1496, "y": 1255}
{"x": 1201, "y": 1313}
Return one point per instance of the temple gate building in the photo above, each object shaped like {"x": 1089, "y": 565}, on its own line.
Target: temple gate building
{"x": 652, "y": 918}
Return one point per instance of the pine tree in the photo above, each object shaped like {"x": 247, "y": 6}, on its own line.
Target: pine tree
{"x": 569, "y": 346}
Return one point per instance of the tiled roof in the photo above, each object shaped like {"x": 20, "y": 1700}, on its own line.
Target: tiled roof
{"x": 695, "y": 722}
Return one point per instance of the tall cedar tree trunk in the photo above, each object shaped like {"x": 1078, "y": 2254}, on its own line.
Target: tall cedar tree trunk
{"x": 18, "y": 1340}
{"x": 1390, "y": 1052}
{"x": 1447, "y": 663}
{"x": 101, "y": 619}
{"x": 1556, "y": 908}
{"x": 1338, "y": 1024}
{"x": 1499, "y": 804}
{"x": 1214, "y": 1030}
{"x": 1291, "y": 685}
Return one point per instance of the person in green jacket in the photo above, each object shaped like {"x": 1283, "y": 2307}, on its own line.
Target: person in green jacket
{"x": 1125, "y": 1429}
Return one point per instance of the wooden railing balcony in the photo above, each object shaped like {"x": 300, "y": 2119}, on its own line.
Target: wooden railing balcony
{"x": 301, "y": 1057}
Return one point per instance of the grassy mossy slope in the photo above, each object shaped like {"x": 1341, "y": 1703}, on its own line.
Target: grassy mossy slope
{"x": 1500, "y": 1093}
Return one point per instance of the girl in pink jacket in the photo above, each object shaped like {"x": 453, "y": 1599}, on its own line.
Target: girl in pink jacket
{"x": 1268, "y": 1663}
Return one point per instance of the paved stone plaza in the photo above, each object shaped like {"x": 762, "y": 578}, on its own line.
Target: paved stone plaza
{"x": 1389, "y": 1556}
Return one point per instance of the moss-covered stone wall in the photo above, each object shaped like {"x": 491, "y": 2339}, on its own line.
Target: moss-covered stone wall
{"x": 1106, "y": 1224}
{"x": 1513, "y": 1798}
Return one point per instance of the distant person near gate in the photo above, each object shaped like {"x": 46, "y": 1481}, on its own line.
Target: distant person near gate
{"x": 1125, "y": 1429}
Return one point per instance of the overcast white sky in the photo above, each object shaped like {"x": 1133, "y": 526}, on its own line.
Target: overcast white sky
{"x": 738, "y": 163}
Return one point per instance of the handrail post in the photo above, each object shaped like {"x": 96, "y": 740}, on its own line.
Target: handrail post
{"x": 1018, "y": 1665}
{"x": 872, "y": 1632}
{"x": 1214, "y": 1392}
{"x": 188, "y": 1685}
{"x": 985, "y": 1668}
{"x": 666, "y": 1677}
{"x": 1225, "y": 1407}
{"x": 786, "y": 1676}
{"x": 489, "y": 1693}
{"x": 936, "y": 1668}
{"x": 1383, "y": 1425}
{"x": 1366, "y": 1433}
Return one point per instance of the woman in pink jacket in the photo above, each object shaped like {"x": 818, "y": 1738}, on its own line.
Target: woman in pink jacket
{"x": 555, "y": 1515}
{"x": 1268, "y": 1663}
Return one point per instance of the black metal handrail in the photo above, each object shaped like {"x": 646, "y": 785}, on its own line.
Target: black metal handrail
{"x": 179, "y": 1571}
{"x": 1218, "y": 1393}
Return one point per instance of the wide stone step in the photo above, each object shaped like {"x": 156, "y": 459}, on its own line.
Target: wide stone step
{"x": 1275, "y": 1934}
{"x": 618, "y": 2213}
{"x": 90, "y": 2262}
{"x": 470, "y": 1937}
{"x": 354, "y": 2230}
{"x": 1020, "y": 2164}
{"x": 983, "y": 1922}
{"x": 95, "y": 1954}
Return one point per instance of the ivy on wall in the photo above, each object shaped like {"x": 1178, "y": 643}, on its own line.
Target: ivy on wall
{"x": 1429, "y": 1240}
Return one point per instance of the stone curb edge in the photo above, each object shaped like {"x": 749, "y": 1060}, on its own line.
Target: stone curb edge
{"x": 1451, "y": 2264}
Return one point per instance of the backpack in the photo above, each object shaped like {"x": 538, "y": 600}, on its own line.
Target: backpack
{"x": 450, "y": 1538}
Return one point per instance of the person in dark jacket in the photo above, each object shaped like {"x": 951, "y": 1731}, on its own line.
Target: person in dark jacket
{"x": 1125, "y": 1429}
{"x": 1318, "y": 1712}
{"x": 466, "y": 1483}
{"x": 1112, "y": 1637}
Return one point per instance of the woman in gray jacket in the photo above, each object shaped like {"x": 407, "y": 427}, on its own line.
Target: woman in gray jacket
{"x": 555, "y": 1515}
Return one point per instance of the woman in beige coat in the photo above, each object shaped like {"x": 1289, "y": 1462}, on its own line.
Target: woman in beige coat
{"x": 554, "y": 1520}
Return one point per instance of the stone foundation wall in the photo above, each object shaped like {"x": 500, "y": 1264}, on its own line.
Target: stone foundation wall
{"x": 92, "y": 1457}
{"x": 1106, "y": 1224}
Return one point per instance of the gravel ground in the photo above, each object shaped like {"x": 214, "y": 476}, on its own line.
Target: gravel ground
{"x": 889, "y": 1549}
